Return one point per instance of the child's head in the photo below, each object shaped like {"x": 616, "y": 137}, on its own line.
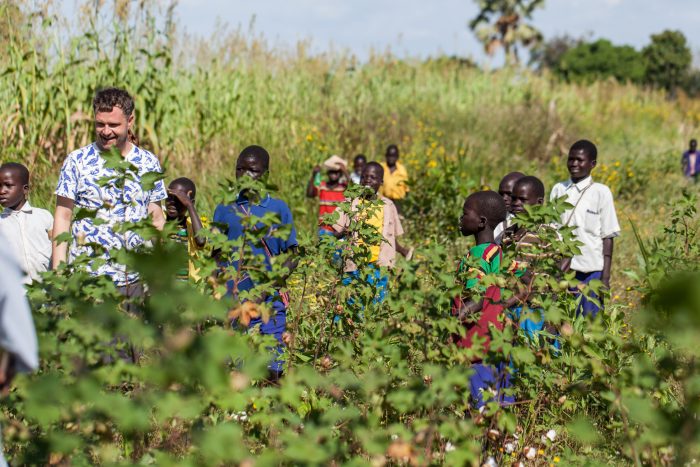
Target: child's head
{"x": 583, "y": 157}
{"x": 253, "y": 161}
{"x": 505, "y": 188}
{"x": 372, "y": 176}
{"x": 482, "y": 210}
{"x": 334, "y": 166}
{"x": 693, "y": 144}
{"x": 179, "y": 187}
{"x": 527, "y": 191}
{"x": 14, "y": 185}
{"x": 392, "y": 155}
{"x": 359, "y": 163}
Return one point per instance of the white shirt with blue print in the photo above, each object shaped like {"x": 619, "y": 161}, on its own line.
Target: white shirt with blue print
{"x": 82, "y": 180}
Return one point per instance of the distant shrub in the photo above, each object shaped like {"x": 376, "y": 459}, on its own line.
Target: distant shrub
{"x": 600, "y": 60}
{"x": 667, "y": 60}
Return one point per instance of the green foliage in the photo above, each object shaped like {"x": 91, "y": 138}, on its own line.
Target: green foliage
{"x": 601, "y": 59}
{"x": 668, "y": 60}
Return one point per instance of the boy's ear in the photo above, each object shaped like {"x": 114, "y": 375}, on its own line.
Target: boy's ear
{"x": 540, "y": 200}
{"x": 594, "y": 162}
{"x": 483, "y": 221}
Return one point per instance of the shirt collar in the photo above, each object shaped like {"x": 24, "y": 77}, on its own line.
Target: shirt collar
{"x": 263, "y": 203}
{"x": 582, "y": 184}
{"x": 27, "y": 209}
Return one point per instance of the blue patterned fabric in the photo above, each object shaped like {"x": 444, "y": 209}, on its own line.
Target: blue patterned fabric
{"x": 80, "y": 180}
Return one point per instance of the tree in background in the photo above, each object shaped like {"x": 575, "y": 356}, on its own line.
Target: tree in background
{"x": 548, "y": 54}
{"x": 667, "y": 59}
{"x": 600, "y": 60}
{"x": 508, "y": 30}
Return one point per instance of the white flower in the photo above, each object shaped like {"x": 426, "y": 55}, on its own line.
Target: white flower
{"x": 490, "y": 462}
{"x": 530, "y": 452}
{"x": 394, "y": 437}
{"x": 449, "y": 447}
{"x": 551, "y": 435}
{"x": 509, "y": 447}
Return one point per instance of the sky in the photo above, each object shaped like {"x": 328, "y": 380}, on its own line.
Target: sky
{"x": 422, "y": 28}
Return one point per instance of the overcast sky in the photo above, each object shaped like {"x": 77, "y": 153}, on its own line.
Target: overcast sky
{"x": 429, "y": 27}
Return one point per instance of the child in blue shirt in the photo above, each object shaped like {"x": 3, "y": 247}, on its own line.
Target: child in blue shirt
{"x": 254, "y": 162}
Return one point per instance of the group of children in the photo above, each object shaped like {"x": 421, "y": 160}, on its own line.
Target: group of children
{"x": 492, "y": 219}
{"x": 488, "y": 216}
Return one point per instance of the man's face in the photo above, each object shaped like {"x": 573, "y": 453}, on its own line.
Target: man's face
{"x": 524, "y": 195}
{"x": 470, "y": 221}
{"x": 112, "y": 129}
{"x": 579, "y": 165}
{"x": 334, "y": 176}
{"x": 392, "y": 156}
{"x": 13, "y": 193}
{"x": 251, "y": 166}
{"x": 359, "y": 165}
{"x": 372, "y": 178}
{"x": 693, "y": 145}
{"x": 505, "y": 189}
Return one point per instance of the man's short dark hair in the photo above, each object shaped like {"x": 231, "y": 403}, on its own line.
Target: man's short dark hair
{"x": 375, "y": 165}
{"x": 186, "y": 183}
{"x": 257, "y": 152}
{"x": 490, "y": 205}
{"x": 534, "y": 183}
{"x": 586, "y": 147}
{"x": 693, "y": 142}
{"x": 360, "y": 157}
{"x": 392, "y": 148}
{"x": 108, "y": 98}
{"x": 21, "y": 170}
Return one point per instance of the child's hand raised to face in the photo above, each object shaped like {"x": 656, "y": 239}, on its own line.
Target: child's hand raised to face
{"x": 177, "y": 203}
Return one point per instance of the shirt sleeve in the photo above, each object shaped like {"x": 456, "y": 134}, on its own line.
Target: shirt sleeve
{"x": 158, "y": 192}
{"x": 287, "y": 219}
{"x": 17, "y": 334}
{"x": 398, "y": 228}
{"x": 609, "y": 226}
{"x": 68, "y": 179}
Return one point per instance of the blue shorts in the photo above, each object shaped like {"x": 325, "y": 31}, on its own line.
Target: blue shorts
{"x": 488, "y": 380}
{"x": 275, "y": 326}
{"x": 587, "y": 306}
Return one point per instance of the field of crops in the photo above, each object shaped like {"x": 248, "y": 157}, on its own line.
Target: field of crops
{"x": 385, "y": 389}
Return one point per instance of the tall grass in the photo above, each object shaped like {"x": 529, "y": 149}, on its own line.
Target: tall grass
{"x": 200, "y": 100}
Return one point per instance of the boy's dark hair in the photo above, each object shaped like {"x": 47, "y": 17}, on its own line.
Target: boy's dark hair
{"x": 360, "y": 157}
{"x": 185, "y": 183}
{"x": 490, "y": 205}
{"x": 586, "y": 147}
{"x": 376, "y": 165}
{"x": 108, "y": 98}
{"x": 511, "y": 176}
{"x": 258, "y": 152}
{"x": 19, "y": 169}
{"x": 392, "y": 148}
{"x": 534, "y": 183}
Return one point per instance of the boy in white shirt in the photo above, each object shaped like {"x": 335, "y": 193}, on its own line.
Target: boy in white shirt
{"x": 594, "y": 217}
{"x": 26, "y": 229}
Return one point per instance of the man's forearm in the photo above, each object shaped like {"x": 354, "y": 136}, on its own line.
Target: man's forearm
{"x": 61, "y": 225}
{"x": 607, "y": 260}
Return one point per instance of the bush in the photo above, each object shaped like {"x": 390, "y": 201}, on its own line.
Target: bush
{"x": 601, "y": 60}
{"x": 667, "y": 60}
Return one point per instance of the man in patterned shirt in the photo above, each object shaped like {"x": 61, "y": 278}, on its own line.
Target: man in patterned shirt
{"x": 82, "y": 184}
